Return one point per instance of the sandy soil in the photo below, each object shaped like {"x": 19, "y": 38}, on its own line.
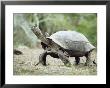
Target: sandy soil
{"x": 25, "y": 65}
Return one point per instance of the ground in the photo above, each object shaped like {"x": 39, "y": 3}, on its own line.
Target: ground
{"x": 25, "y": 65}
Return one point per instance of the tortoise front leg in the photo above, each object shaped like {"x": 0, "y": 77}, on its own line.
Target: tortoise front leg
{"x": 64, "y": 58}
{"x": 42, "y": 58}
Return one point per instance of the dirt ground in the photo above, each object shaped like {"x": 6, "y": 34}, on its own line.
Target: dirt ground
{"x": 25, "y": 64}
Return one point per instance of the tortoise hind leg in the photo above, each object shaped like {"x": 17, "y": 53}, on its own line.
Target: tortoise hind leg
{"x": 89, "y": 61}
{"x": 77, "y": 60}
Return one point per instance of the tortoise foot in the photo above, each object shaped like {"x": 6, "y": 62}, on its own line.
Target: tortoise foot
{"x": 90, "y": 64}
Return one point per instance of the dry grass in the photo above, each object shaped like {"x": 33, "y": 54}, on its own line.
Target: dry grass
{"x": 25, "y": 65}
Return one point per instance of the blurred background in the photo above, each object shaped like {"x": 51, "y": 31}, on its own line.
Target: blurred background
{"x": 86, "y": 23}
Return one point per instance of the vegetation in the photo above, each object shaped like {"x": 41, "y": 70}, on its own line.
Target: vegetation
{"x": 86, "y": 23}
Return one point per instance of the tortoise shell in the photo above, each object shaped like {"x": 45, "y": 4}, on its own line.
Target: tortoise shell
{"x": 72, "y": 40}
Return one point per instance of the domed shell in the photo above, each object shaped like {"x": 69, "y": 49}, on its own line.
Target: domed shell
{"x": 72, "y": 40}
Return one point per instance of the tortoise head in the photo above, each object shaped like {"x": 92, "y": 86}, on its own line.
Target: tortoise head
{"x": 39, "y": 34}
{"x": 37, "y": 31}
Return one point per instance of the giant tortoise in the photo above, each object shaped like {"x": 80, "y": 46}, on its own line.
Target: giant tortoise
{"x": 64, "y": 44}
